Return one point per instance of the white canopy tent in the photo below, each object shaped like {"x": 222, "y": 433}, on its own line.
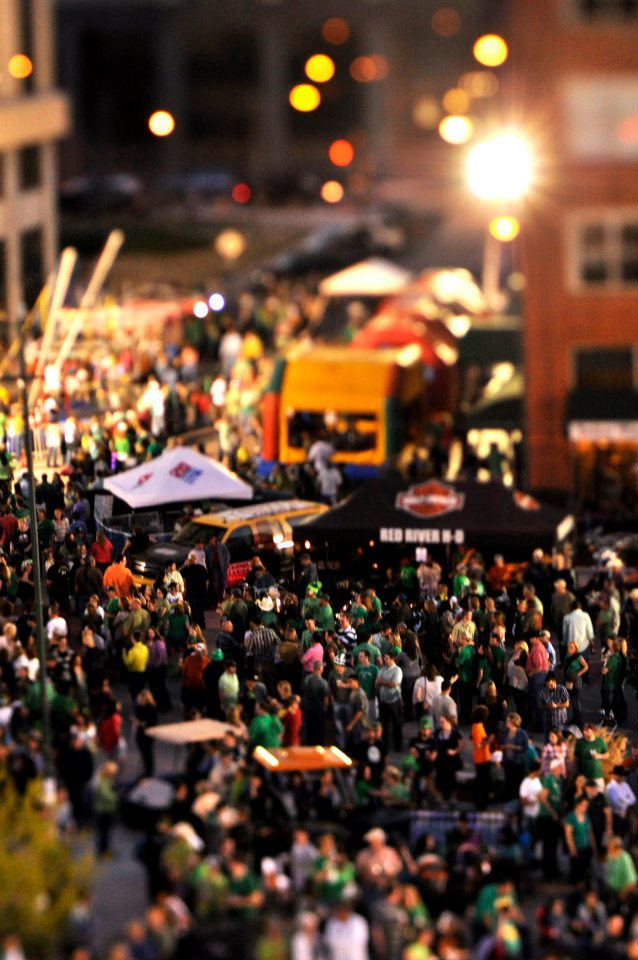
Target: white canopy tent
{"x": 374, "y": 277}
{"x": 180, "y": 475}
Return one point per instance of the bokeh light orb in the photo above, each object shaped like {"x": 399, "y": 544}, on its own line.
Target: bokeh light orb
{"x": 363, "y": 70}
{"x": 336, "y": 30}
{"x": 304, "y": 97}
{"x": 200, "y": 309}
{"x": 320, "y": 68}
{"x": 456, "y": 101}
{"x": 456, "y": 129}
{"x": 446, "y": 21}
{"x": 216, "y": 302}
{"x": 504, "y": 229}
{"x": 161, "y": 123}
{"x": 426, "y": 113}
{"x": 479, "y": 83}
{"x": 490, "y": 50}
{"x": 341, "y": 153}
{"x": 332, "y": 191}
{"x": 20, "y": 66}
{"x": 241, "y": 193}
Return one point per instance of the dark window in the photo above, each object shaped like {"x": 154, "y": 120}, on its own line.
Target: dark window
{"x": 30, "y": 160}
{"x": 604, "y": 369}
{"x": 616, "y": 9}
{"x": 32, "y": 265}
{"x": 240, "y": 542}
{"x": 23, "y": 10}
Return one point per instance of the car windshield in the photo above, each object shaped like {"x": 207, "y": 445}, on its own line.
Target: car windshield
{"x": 194, "y": 531}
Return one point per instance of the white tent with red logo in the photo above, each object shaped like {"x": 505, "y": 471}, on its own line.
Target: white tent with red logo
{"x": 180, "y": 475}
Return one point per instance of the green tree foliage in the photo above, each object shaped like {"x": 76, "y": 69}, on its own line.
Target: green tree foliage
{"x": 40, "y": 877}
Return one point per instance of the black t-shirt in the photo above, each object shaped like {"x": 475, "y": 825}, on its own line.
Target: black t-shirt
{"x": 423, "y": 746}
{"x": 371, "y": 754}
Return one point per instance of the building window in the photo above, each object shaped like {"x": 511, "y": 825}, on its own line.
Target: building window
{"x": 605, "y": 252}
{"x": 608, "y": 9}
{"x": 30, "y": 160}
{"x": 604, "y": 368}
{"x": 600, "y": 119}
{"x": 32, "y": 264}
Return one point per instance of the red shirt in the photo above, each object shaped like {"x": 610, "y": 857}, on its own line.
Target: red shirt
{"x": 292, "y": 728}
{"x": 537, "y": 660}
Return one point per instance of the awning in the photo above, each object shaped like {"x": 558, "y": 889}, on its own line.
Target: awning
{"x": 602, "y": 415}
{"x": 194, "y": 731}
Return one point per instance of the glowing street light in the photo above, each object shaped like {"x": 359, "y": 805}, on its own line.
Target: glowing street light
{"x": 500, "y": 169}
{"x": 504, "y": 229}
{"x": 490, "y": 50}
{"x": 161, "y": 123}
{"x": 304, "y": 97}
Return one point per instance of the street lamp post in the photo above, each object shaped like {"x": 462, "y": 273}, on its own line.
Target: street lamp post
{"x": 498, "y": 172}
{"x": 37, "y": 573}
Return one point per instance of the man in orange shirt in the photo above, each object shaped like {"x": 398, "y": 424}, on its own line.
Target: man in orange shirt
{"x": 119, "y": 576}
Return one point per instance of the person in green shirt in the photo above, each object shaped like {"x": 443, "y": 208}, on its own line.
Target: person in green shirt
{"x": 265, "y": 728}
{"x": 245, "y": 896}
{"x": 367, "y": 674}
{"x": 374, "y": 654}
{"x": 613, "y": 673}
{"x": 589, "y": 753}
{"x": 324, "y": 614}
{"x": 548, "y": 822}
{"x": 579, "y": 839}
{"x": 620, "y": 876}
{"x": 465, "y": 674}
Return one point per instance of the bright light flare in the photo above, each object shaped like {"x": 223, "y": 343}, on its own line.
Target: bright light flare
{"x": 500, "y": 169}
{"x": 490, "y": 50}
{"x": 200, "y": 309}
{"x": 304, "y": 97}
{"x": 456, "y": 129}
{"x": 320, "y": 68}
{"x": 161, "y": 123}
{"x": 504, "y": 229}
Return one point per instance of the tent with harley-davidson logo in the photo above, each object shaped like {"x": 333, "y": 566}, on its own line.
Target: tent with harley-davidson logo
{"x": 433, "y": 513}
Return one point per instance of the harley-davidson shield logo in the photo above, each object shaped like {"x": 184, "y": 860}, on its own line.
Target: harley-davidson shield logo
{"x": 431, "y": 499}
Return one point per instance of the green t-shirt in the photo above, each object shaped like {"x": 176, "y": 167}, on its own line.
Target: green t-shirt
{"x": 554, "y": 788}
{"x": 612, "y": 679}
{"x": 465, "y": 669}
{"x": 370, "y": 649}
{"x": 367, "y": 677}
{"x": 588, "y": 765}
{"x": 582, "y": 830}
{"x": 620, "y": 872}
{"x": 265, "y": 730}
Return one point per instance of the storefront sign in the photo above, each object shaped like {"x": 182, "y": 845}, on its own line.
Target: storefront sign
{"x": 603, "y": 430}
{"x": 421, "y": 535}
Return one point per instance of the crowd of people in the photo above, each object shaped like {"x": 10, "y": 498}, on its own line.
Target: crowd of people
{"x": 480, "y": 774}
{"x": 487, "y": 808}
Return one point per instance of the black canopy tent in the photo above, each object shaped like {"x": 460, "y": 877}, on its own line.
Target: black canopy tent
{"x": 390, "y": 511}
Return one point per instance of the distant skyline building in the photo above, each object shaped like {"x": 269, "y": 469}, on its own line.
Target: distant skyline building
{"x": 34, "y": 116}
{"x": 225, "y": 70}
